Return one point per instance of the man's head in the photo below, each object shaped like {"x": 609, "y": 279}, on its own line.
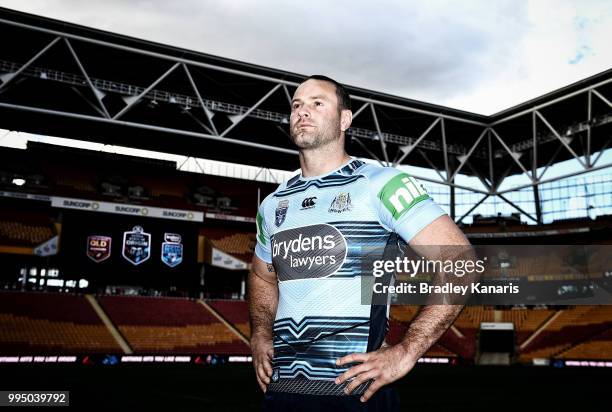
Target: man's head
{"x": 320, "y": 113}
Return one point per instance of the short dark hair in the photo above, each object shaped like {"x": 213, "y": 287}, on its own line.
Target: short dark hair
{"x": 344, "y": 100}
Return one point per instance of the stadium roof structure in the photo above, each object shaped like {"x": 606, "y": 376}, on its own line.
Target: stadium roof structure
{"x": 62, "y": 79}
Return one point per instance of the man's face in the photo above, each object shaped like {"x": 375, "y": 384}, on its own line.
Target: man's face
{"x": 315, "y": 117}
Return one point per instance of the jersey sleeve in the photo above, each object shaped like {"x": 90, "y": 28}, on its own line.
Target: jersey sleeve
{"x": 402, "y": 204}
{"x": 262, "y": 247}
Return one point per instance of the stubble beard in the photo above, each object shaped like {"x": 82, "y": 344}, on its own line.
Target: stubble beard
{"x": 317, "y": 138}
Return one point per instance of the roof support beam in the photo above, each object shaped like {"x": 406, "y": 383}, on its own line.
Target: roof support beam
{"x": 517, "y": 207}
{"x": 97, "y": 93}
{"x": 514, "y": 155}
{"x": 278, "y": 79}
{"x": 445, "y": 151}
{"x": 551, "y": 102}
{"x": 466, "y": 214}
{"x": 601, "y": 96}
{"x": 241, "y": 117}
{"x": 563, "y": 142}
{"x": 603, "y": 149}
{"x": 131, "y": 101}
{"x": 464, "y": 158}
{"x": 430, "y": 163}
{"x": 361, "y": 109}
{"x": 550, "y": 161}
{"x": 10, "y": 77}
{"x": 148, "y": 127}
{"x": 409, "y": 148}
{"x": 368, "y": 151}
{"x": 207, "y": 112}
{"x": 383, "y": 146}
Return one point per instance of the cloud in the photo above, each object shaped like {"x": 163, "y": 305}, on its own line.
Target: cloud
{"x": 476, "y": 56}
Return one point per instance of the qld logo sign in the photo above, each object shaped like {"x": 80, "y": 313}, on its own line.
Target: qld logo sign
{"x": 136, "y": 245}
{"x": 98, "y": 248}
{"x": 172, "y": 250}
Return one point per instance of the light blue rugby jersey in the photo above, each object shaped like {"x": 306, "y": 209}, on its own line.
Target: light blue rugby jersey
{"x": 316, "y": 231}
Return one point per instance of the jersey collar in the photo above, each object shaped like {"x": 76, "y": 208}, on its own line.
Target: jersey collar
{"x": 346, "y": 169}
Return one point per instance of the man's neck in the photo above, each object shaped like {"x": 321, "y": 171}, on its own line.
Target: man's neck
{"x": 321, "y": 161}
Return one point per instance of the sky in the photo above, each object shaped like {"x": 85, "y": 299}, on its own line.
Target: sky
{"x": 478, "y": 56}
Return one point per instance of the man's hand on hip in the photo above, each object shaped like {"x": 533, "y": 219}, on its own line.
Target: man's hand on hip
{"x": 383, "y": 366}
{"x": 262, "y": 350}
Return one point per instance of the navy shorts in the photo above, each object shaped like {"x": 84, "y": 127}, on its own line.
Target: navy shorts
{"x": 385, "y": 399}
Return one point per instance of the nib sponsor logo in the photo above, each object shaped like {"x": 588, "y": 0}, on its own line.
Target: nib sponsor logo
{"x": 308, "y": 252}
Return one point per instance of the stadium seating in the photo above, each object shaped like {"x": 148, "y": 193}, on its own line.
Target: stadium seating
{"x": 571, "y": 328}
{"x": 49, "y": 323}
{"x": 20, "y": 234}
{"x": 170, "y": 325}
{"x": 237, "y": 244}
{"x": 526, "y": 321}
{"x": 24, "y": 227}
{"x": 235, "y": 312}
{"x": 598, "y": 347}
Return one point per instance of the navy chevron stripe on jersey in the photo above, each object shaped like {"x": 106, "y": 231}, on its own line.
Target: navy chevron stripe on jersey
{"x": 309, "y": 348}
{"x": 318, "y": 183}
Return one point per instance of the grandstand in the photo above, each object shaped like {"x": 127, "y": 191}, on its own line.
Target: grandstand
{"x": 34, "y": 323}
{"x": 50, "y": 323}
{"x": 170, "y": 325}
{"x": 67, "y": 289}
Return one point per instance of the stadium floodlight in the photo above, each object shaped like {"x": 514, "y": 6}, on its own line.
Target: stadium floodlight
{"x": 18, "y": 181}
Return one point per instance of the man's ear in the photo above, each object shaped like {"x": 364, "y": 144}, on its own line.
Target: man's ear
{"x": 346, "y": 118}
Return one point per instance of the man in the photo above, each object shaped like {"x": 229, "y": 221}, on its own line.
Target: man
{"x": 315, "y": 345}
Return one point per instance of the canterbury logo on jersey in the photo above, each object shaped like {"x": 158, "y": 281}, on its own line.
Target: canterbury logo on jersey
{"x": 309, "y": 202}
{"x": 401, "y": 193}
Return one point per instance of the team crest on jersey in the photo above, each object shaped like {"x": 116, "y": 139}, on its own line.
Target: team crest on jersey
{"x": 281, "y": 212}
{"x": 136, "y": 245}
{"x": 172, "y": 250}
{"x": 275, "y": 375}
{"x": 341, "y": 203}
{"x": 98, "y": 248}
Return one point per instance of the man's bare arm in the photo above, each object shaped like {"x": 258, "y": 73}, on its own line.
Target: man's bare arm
{"x": 390, "y": 363}
{"x": 433, "y": 320}
{"x": 263, "y": 301}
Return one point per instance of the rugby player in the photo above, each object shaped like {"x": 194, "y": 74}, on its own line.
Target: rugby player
{"x": 315, "y": 345}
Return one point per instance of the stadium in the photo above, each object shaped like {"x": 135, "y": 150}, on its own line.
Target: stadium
{"x": 124, "y": 275}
